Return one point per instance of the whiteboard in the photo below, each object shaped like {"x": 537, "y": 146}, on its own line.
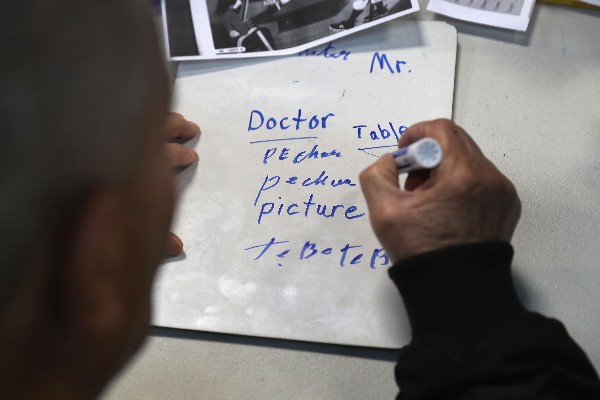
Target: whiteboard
{"x": 276, "y": 231}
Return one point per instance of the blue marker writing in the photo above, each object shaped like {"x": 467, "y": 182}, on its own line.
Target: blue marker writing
{"x": 425, "y": 153}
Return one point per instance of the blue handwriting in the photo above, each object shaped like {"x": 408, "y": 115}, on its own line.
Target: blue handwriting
{"x": 322, "y": 180}
{"x": 306, "y": 208}
{"x": 384, "y": 133}
{"x": 383, "y": 61}
{"x": 257, "y": 120}
{"x": 299, "y": 157}
{"x": 327, "y": 52}
{"x": 348, "y": 254}
{"x": 284, "y": 139}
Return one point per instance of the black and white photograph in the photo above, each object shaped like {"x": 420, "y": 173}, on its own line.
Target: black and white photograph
{"x": 199, "y": 29}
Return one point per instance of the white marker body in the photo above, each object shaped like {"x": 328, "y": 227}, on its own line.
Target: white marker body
{"x": 425, "y": 153}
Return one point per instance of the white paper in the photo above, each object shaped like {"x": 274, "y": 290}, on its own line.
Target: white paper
{"x": 592, "y": 2}
{"x": 205, "y": 29}
{"x": 509, "y": 14}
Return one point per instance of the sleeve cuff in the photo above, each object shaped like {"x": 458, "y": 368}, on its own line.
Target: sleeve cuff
{"x": 458, "y": 290}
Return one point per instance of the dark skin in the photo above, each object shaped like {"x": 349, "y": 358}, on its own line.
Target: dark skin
{"x": 465, "y": 199}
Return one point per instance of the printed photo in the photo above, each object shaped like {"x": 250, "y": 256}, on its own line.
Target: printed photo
{"x": 197, "y": 29}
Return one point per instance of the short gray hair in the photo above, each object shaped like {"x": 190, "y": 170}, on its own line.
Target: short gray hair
{"x": 74, "y": 79}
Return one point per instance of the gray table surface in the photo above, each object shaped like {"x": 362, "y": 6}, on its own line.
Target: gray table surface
{"x": 534, "y": 94}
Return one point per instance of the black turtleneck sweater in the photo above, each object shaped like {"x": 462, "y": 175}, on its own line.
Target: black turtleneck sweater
{"x": 472, "y": 338}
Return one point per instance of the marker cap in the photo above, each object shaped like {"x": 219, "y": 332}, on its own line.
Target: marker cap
{"x": 425, "y": 153}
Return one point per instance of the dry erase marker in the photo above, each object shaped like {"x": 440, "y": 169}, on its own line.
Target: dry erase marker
{"x": 425, "y": 153}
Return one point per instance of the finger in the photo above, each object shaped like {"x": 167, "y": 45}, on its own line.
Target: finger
{"x": 442, "y": 130}
{"x": 469, "y": 142}
{"x": 174, "y": 246}
{"x": 379, "y": 184}
{"x": 452, "y": 138}
{"x": 457, "y": 147}
{"x": 180, "y": 155}
{"x": 416, "y": 178}
{"x": 179, "y": 127}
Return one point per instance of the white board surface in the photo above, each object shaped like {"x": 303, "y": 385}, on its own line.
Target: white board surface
{"x": 311, "y": 283}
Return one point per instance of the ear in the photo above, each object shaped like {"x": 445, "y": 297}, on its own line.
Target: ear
{"x": 95, "y": 299}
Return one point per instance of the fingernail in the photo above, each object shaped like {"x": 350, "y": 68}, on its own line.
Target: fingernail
{"x": 196, "y": 156}
{"x": 190, "y": 156}
{"x": 196, "y": 127}
{"x": 174, "y": 247}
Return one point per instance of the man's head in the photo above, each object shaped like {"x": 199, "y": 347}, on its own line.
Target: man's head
{"x": 85, "y": 190}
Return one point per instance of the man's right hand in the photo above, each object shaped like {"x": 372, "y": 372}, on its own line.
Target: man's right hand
{"x": 180, "y": 156}
{"x": 465, "y": 199}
